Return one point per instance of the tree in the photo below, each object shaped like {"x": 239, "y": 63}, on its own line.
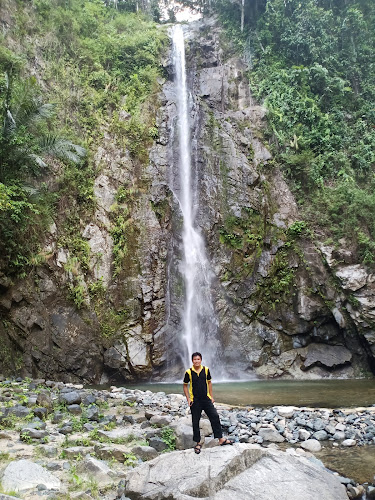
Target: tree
{"x": 26, "y": 142}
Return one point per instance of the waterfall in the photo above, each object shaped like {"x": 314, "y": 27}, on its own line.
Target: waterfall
{"x": 199, "y": 322}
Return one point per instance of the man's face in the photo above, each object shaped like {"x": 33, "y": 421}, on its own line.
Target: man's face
{"x": 197, "y": 360}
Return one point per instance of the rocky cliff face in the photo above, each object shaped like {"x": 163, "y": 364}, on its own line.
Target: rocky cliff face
{"x": 285, "y": 307}
{"x": 286, "y": 304}
{"x": 110, "y": 336}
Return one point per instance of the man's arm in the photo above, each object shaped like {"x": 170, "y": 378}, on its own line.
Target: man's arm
{"x": 186, "y": 391}
{"x": 210, "y": 390}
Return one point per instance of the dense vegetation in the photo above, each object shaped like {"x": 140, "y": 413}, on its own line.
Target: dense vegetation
{"x": 93, "y": 66}
{"x": 312, "y": 64}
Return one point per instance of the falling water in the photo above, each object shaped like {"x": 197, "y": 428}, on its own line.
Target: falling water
{"x": 199, "y": 318}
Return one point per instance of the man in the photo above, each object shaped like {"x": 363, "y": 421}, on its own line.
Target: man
{"x": 199, "y": 397}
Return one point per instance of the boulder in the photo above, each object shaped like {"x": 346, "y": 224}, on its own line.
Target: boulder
{"x": 49, "y": 451}
{"x": 74, "y": 409}
{"x": 33, "y": 433}
{"x": 22, "y": 475}
{"x": 114, "y": 451}
{"x": 329, "y": 356}
{"x": 184, "y": 431}
{"x": 205, "y": 427}
{"x": 96, "y": 468}
{"x": 40, "y": 412}
{"x": 339, "y": 435}
{"x": 158, "y": 444}
{"x": 352, "y": 277}
{"x": 303, "y": 434}
{"x": 36, "y": 424}
{"x": 356, "y": 492}
{"x": 286, "y": 411}
{"x": 312, "y": 445}
{"x": 18, "y": 411}
{"x": 92, "y": 413}
{"x": 120, "y": 434}
{"x": 241, "y": 471}
{"x": 145, "y": 452}
{"x": 340, "y": 427}
{"x": 89, "y": 399}
{"x": 66, "y": 429}
{"x": 160, "y": 420}
{"x": 57, "y": 417}
{"x": 271, "y": 435}
{"x": 77, "y": 452}
{"x": 116, "y": 356}
{"x": 88, "y": 427}
{"x": 44, "y": 399}
{"x": 330, "y": 429}
{"x": 70, "y": 398}
{"x": 349, "y": 442}
{"x": 184, "y": 436}
{"x": 320, "y": 435}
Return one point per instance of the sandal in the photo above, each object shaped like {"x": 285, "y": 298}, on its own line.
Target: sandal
{"x": 227, "y": 441}
{"x": 197, "y": 448}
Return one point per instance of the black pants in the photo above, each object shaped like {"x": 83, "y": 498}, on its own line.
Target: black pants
{"x": 209, "y": 409}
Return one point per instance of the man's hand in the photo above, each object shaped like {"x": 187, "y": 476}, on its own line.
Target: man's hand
{"x": 190, "y": 402}
{"x": 212, "y": 399}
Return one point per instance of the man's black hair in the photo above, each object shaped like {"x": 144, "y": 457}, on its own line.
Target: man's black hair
{"x": 196, "y": 354}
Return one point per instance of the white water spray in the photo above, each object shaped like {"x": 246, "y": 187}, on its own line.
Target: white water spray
{"x": 199, "y": 318}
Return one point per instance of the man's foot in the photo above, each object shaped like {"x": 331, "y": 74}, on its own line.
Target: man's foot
{"x": 224, "y": 441}
{"x": 197, "y": 448}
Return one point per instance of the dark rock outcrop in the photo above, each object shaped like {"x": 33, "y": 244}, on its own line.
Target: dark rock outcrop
{"x": 277, "y": 292}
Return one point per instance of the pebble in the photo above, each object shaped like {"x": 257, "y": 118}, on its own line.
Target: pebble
{"x": 312, "y": 445}
{"x": 349, "y": 442}
{"x": 320, "y": 435}
{"x": 150, "y": 412}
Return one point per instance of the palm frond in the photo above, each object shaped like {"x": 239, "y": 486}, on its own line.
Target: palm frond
{"x": 46, "y": 110}
{"x": 28, "y": 105}
{"x": 38, "y": 160}
{"x": 61, "y": 148}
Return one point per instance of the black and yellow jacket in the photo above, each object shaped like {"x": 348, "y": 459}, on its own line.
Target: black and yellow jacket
{"x": 198, "y": 383}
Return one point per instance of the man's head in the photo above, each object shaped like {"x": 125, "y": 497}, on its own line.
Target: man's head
{"x": 196, "y": 358}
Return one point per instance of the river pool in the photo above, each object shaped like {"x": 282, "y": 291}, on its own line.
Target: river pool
{"x": 262, "y": 393}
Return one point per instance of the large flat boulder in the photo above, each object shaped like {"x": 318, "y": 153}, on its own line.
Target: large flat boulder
{"x": 22, "y": 475}
{"x": 241, "y": 471}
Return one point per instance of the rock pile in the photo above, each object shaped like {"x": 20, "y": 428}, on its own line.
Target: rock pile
{"x": 61, "y": 439}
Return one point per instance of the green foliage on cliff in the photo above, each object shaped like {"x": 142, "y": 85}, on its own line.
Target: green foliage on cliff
{"x": 245, "y": 233}
{"x": 124, "y": 229}
{"x": 96, "y": 70}
{"x": 312, "y": 64}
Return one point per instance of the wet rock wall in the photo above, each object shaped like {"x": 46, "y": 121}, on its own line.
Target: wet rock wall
{"x": 286, "y": 304}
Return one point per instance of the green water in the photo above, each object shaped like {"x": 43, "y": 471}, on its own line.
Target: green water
{"x": 317, "y": 393}
{"x": 358, "y": 462}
